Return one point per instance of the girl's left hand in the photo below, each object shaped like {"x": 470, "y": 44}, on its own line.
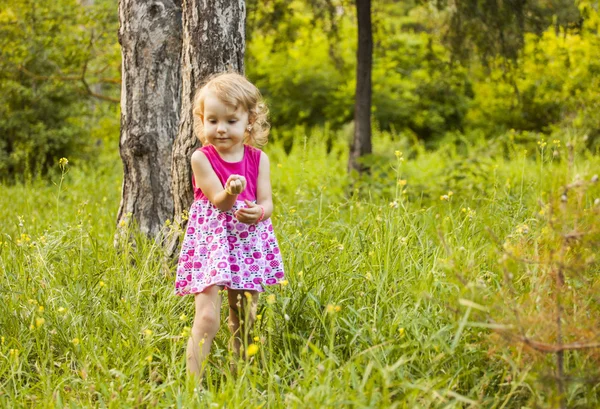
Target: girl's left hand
{"x": 250, "y": 214}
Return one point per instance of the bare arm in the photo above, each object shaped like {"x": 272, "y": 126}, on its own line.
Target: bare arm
{"x": 207, "y": 180}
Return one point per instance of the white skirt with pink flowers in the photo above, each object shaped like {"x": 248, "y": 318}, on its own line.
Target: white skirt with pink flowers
{"x": 219, "y": 250}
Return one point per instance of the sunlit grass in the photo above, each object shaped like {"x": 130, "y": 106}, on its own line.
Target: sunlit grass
{"x": 370, "y": 316}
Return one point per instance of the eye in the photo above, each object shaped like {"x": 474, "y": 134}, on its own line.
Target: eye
{"x": 232, "y": 121}
{"x": 212, "y": 121}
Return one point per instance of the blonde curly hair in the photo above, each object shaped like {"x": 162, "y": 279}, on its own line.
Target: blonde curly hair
{"x": 236, "y": 91}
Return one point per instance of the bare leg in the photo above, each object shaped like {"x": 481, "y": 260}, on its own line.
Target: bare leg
{"x": 204, "y": 329}
{"x": 242, "y": 315}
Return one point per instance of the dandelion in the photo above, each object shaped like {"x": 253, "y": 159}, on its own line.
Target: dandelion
{"x": 41, "y": 308}
{"x": 271, "y": 299}
{"x": 101, "y": 284}
{"x": 259, "y": 317}
{"x": 147, "y": 332}
{"x": 284, "y": 282}
{"x": 252, "y": 349}
{"x": 75, "y": 341}
{"x": 256, "y": 339}
{"x": 39, "y": 322}
{"x": 149, "y": 358}
{"x": 401, "y": 332}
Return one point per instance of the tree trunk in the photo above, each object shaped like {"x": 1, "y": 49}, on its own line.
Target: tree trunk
{"x": 150, "y": 38}
{"x": 361, "y": 144}
{"x": 213, "y": 41}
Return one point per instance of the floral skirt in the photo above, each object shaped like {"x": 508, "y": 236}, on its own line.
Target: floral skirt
{"x": 219, "y": 250}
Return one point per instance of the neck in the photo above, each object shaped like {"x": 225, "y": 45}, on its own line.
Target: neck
{"x": 234, "y": 154}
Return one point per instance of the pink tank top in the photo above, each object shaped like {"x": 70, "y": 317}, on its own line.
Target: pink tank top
{"x": 247, "y": 167}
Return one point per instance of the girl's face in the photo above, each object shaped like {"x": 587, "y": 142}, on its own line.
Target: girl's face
{"x": 224, "y": 126}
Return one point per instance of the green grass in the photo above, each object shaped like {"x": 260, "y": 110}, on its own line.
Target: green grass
{"x": 85, "y": 325}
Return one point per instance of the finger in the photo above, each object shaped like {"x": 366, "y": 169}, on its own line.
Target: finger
{"x": 249, "y": 203}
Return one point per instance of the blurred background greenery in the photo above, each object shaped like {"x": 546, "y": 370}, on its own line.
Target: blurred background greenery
{"x": 435, "y": 79}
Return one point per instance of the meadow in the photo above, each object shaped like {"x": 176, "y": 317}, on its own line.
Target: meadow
{"x": 398, "y": 291}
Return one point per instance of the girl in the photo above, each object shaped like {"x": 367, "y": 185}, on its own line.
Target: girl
{"x": 229, "y": 242}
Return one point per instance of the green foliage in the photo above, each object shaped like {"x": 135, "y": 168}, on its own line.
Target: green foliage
{"x": 51, "y": 56}
{"x": 414, "y": 86}
{"x": 85, "y": 325}
{"x": 552, "y": 87}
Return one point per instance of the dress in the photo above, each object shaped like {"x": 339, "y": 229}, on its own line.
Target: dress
{"x": 218, "y": 249}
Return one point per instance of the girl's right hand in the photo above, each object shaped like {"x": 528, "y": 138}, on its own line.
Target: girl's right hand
{"x": 235, "y": 184}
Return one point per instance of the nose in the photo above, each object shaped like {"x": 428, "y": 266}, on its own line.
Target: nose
{"x": 221, "y": 127}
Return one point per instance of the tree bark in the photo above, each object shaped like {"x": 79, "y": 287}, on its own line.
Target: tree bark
{"x": 150, "y": 38}
{"x": 213, "y": 41}
{"x": 361, "y": 144}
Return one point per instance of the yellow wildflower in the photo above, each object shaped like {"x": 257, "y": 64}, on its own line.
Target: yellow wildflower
{"x": 183, "y": 317}
{"x": 256, "y": 339}
{"x": 75, "y": 341}
{"x": 63, "y": 162}
{"x": 271, "y": 299}
{"x": 147, "y": 332}
{"x": 401, "y": 332}
{"x": 39, "y": 322}
{"x": 284, "y": 282}
{"x": 252, "y": 349}
{"x": 402, "y": 182}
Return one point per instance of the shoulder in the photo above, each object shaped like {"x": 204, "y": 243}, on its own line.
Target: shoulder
{"x": 200, "y": 159}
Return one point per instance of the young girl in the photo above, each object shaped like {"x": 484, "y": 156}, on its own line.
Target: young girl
{"x": 229, "y": 242}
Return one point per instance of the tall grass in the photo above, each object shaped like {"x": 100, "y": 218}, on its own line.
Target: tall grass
{"x": 373, "y": 316}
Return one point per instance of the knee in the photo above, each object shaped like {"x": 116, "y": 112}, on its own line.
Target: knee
{"x": 206, "y": 324}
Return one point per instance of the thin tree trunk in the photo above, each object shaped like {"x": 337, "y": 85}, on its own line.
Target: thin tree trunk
{"x": 213, "y": 41}
{"x": 150, "y": 37}
{"x": 361, "y": 144}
